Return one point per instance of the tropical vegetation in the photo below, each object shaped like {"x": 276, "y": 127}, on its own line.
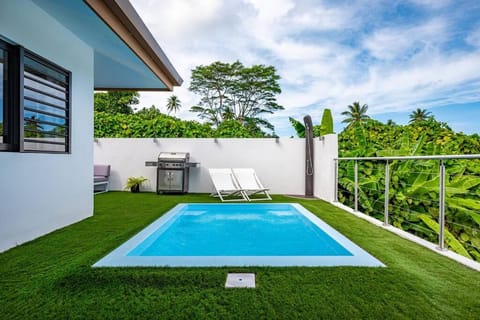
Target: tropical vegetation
{"x": 414, "y": 185}
{"x": 231, "y": 91}
{"x": 114, "y": 102}
{"x": 419, "y": 115}
{"x": 234, "y": 100}
{"x": 325, "y": 127}
{"x": 151, "y": 123}
{"x": 52, "y": 277}
{"x": 355, "y": 114}
{"x": 134, "y": 183}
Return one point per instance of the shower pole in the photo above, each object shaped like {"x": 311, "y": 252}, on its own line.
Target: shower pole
{"x": 308, "y": 156}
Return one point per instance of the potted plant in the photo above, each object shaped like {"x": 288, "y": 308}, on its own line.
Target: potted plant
{"x": 133, "y": 183}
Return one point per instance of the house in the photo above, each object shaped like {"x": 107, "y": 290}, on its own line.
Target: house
{"x": 53, "y": 54}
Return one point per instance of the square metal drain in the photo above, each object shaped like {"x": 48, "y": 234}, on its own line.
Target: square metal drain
{"x": 240, "y": 280}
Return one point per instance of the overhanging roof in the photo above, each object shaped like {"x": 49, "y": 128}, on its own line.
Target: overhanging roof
{"x": 125, "y": 52}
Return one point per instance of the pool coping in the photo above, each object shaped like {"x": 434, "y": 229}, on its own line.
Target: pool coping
{"x": 119, "y": 257}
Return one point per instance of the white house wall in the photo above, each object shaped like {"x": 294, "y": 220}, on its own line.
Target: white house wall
{"x": 325, "y": 152}
{"x": 280, "y": 165}
{"x": 43, "y": 192}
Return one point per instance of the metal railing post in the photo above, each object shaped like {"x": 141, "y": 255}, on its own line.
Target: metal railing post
{"x": 441, "y": 208}
{"x": 387, "y": 185}
{"x": 335, "y": 196}
{"x": 356, "y": 185}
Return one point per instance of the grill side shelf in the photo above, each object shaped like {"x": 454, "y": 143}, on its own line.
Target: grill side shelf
{"x": 187, "y": 164}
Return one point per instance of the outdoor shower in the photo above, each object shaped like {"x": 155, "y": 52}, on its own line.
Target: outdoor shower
{"x": 308, "y": 156}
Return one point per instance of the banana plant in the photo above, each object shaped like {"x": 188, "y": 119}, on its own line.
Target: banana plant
{"x": 452, "y": 242}
{"x": 414, "y": 185}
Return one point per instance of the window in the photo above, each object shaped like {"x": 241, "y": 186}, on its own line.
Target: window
{"x": 45, "y": 105}
{"x": 35, "y": 103}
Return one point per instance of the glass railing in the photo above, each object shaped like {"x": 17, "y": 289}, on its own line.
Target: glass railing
{"x": 436, "y": 198}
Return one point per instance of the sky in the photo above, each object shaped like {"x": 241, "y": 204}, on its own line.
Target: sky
{"x": 394, "y": 56}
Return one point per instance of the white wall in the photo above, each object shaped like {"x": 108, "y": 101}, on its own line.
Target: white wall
{"x": 43, "y": 192}
{"x": 325, "y": 151}
{"x": 280, "y": 166}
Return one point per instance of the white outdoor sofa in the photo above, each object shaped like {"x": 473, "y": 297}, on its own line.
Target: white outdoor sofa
{"x": 101, "y": 174}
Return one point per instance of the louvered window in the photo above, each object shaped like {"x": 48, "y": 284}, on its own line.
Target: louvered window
{"x": 36, "y": 103}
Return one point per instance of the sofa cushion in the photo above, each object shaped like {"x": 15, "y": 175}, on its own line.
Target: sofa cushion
{"x": 101, "y": 170}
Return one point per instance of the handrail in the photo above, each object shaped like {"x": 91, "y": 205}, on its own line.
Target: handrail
{"x": 387, "y": 163}
{"x": 435, "y": 157}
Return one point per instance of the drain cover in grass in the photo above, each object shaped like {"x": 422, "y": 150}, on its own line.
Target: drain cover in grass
{"x": 240, "y": 280}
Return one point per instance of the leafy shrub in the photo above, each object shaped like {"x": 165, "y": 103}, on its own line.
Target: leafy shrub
{"x": 414, "y": 185}
{"x": 151, "y": 123}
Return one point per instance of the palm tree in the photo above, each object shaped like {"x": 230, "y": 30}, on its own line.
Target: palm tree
{"x": 391, "y": 123}
{"x": 173, "y": 104}
{"x": 355, "y": 113}
{"x": 419, "y": 115}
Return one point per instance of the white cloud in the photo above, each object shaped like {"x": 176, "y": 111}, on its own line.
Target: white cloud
{"x": 172, "y": 19}
{"x": 271, "y": 11}
{"x": 321, "y": 18}
{"x": 402, "y": 42}
{"x": 328, "y": 54}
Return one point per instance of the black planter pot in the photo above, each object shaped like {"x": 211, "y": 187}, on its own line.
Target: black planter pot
{"x": 135, "y": 188}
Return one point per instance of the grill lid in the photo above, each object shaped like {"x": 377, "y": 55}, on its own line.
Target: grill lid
{"x": 173, "y": 156}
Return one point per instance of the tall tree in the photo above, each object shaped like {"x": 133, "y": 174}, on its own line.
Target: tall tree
{"x": 235, "y": 92}
{"x": 355, "y": 114}
{"x": 419, "y": 115}
{"x": 116, "y": 101}
{"x": 213, "y": 83}
{"x": 173, "y": 104}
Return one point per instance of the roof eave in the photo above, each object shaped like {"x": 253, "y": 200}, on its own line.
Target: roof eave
{"x": 121, "y": 18}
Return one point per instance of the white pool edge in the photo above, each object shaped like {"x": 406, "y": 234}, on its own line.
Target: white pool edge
{"x": 119, "y": 258}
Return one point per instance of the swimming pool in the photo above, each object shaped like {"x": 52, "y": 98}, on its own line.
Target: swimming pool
{"x": 282, "y": 234}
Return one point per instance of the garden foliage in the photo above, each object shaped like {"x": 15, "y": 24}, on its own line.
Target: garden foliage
{"x": 414, "y": 184}
{"x": 325, "y": 127}
{"x": 151, "y": 123}
{"x": 116, "y": 101}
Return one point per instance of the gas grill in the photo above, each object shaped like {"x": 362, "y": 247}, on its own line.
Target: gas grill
{"x": 173, "y": 169}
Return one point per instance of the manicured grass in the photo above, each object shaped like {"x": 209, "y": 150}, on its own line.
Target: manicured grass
{"x": 52, "y": 277}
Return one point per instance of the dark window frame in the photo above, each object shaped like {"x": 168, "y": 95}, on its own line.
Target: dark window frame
{"x": 14, "y": 88}
{"x": 7, "y": 144}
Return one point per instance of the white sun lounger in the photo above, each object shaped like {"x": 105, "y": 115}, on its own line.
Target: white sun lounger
{"x": 250, "y": 183}
{"x": 226, "y": 185}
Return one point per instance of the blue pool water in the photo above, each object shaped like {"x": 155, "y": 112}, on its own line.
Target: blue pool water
{"x": 238, "y": 235}
{"x": 239, "y": 230}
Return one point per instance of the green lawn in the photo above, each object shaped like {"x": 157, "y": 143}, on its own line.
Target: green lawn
{"x": 52, "y": 277}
